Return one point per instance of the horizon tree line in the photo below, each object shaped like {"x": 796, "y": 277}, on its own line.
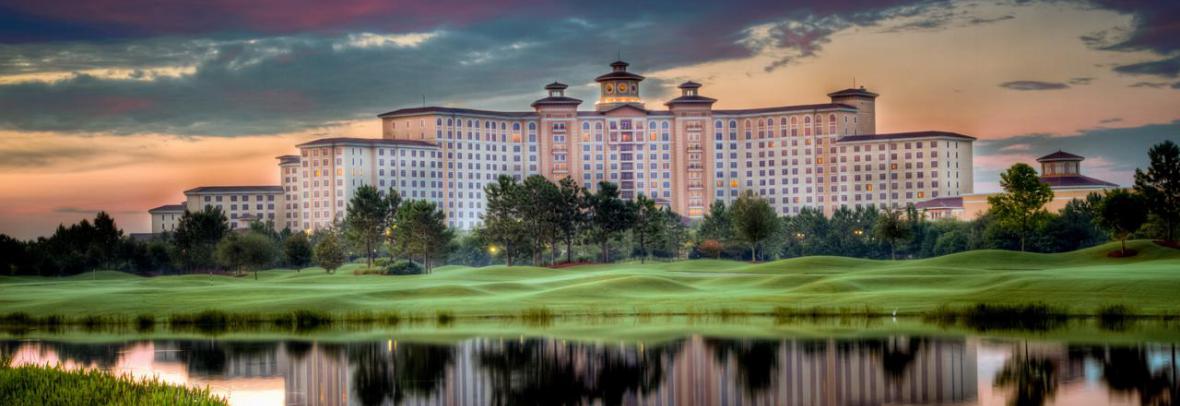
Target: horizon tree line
{"x": 537, "y": 221}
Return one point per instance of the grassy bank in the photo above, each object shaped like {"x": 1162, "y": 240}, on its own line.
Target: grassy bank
{"x": 1084, "y": 282}
{"x": 40, "y": 385}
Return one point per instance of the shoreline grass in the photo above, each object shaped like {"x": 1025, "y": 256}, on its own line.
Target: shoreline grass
{"x": 51, "y": 385}
{"x": 1083, "y": 283}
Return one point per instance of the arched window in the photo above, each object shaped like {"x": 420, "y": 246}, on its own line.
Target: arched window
{"x": 769, "y": 122}
{"x": 831, "y": 123}
{"x": 585, "y": 125}
{"x": 438, "y": 121}
{"x": 807, "y": 126}
{"x": 450, "y": 121}
{"x": 717, "y": 124}
{"x": 532, "y": 126}
{"x": 664, "y": 125}
{"x": 515, "y": 126}
{"x": 819, "y": 124}
{"x": 598, "y": 125}
{"x": 794, "y": 126}
{"x": 732, "y": 123}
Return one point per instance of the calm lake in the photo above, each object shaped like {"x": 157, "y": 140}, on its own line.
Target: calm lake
{"x": 885, "y": 368}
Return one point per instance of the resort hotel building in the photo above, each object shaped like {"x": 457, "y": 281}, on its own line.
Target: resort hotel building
{"x": 685, "y": 156}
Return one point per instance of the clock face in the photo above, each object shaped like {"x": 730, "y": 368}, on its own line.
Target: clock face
{"x": 610, "y": 89}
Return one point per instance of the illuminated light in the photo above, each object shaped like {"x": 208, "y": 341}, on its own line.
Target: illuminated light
{"x": 733, "y": 183}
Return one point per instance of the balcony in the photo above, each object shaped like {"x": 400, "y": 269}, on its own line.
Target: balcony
{"x": 695, "y": 148}
{"x": 696, "y": 186}
{"x": 561, "y": 168}
{"x": 696, "y": 167}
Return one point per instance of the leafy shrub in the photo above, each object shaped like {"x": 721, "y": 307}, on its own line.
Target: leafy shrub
{"x": 403, "y": 268}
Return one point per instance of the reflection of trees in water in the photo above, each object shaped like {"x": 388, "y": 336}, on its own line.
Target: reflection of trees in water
{"x": 297, "y": 350}
{"x": 1128, "y": 370}
{"x": 756, "y": 360}
{"x": 1033, "y": 380}
{"x": 101, "y": 355}
{"x": 552, "y": 373}
{"x": 897, "y": 353}
{"x": 211, "y": 358}
{"x": 411, "y": 369}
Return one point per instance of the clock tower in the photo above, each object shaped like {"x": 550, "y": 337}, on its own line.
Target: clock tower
{"x": 618, "y": 88}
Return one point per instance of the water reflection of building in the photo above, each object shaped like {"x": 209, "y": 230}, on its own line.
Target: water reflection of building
{"x": 825, "y": 372}
{"x": 316, "y": 375}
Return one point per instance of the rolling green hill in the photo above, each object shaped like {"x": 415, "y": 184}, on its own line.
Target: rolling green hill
{"x": 1080, "y": 281}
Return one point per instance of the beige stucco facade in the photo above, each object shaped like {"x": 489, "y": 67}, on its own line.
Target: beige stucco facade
{"x": 1060, "y": 170}
{"x": 685, "y": 155}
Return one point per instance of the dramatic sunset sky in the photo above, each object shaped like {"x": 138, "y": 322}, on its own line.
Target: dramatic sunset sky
{"x": 120, "y": 105}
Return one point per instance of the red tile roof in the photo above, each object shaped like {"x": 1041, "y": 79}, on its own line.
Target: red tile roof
{"x": 1077, "y": 181}
{"x": 1060, "y": 156}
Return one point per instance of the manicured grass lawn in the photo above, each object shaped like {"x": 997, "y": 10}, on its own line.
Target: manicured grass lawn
{"x": 1080, "y": 281}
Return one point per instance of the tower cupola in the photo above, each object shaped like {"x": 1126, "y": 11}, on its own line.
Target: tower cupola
{"x": 556, "y": 89}
{"x": 618, "y": 87}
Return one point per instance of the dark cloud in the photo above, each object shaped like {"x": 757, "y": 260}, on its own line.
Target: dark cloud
{"x": 1154, "y": 85}
{"x": 1110, "y": 120}
{"x": 1026, "y": 85}
{"x": 239, "y": 84}
{"x": 1169, "y": 67}
{"x": 1155, "y": 25}
{"x": 1093, "y": 144}
{"x": 1080, "y": 81}
{"x": 1176, "y": 85}
{"x": 981, "y": 21}
{"x": 1155, "y": 30}
{"x": 11, "y": 159}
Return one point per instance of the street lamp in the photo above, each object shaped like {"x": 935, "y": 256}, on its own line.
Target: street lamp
{"x": 858, "y": 232}
{"x": 802, "y": 243}
{"x": 492, "y": 249}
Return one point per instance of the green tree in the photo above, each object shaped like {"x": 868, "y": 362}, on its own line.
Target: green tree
{"x": 537, "y": 205}
{"x": 1021, "y": 207}
{"x": 568, "y": 216}
{"x": 367, "y": 219}
{"x": 607, "y": 216}
{"x": 502, "y": 223}
{"x": 674, "y": 234}
{"x": 753, "y": 221}
{"x": 1122, "y": 213}
{"x": 424, "y": 231}
{"x": 717, "y": 223}
{"x": 892, "y": 228}
{"x": 649, "y": 224}
{"x": 245, "y": 252}
{"x": 393, "y": 201}
{"x": 297, "y": 250}
{"x": 106, "y": 240}
{"x": 328, "y": 253}
{"x": 1160, "y": 185}
{"x": 197, "y": 233}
